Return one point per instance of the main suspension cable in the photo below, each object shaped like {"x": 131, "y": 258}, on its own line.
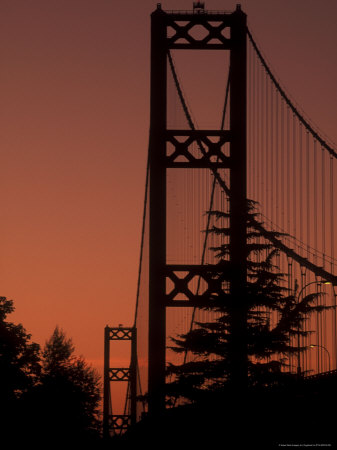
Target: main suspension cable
{"x": 288, "y": 101}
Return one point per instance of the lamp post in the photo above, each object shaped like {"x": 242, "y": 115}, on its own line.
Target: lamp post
{"x": 322, "y": 346}
{"x": 298, "y": 337}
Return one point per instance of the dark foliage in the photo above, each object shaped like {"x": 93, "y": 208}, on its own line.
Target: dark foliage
{"x": 66, "y": 400}
{"x": 19, "y": 358}
{"x": 45, "y": 396}
{"x": 19, "y": 367}
{"x": 299, "y": 416}
{"x": 272, "y": 315}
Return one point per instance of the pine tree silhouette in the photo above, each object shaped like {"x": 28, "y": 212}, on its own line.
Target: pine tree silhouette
{"x": 274, "y": 316}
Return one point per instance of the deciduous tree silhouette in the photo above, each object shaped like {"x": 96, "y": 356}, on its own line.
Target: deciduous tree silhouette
{"x": 48, "y": 395}
{"x": 19, "y": 362}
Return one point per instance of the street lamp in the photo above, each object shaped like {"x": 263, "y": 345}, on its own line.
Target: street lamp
{"x": 322, "y": 346}
{"x": 298, "y": 338}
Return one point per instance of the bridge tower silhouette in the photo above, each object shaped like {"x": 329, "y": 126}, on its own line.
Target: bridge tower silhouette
{"x": 213, "y": 158}
{"x": 264, "y": 153}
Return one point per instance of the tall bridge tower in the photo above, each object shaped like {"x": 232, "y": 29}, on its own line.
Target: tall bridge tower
{"x": 213, "y": 157}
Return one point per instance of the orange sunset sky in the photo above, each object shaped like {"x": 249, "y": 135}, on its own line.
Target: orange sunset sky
{"x": 74, "y": 127}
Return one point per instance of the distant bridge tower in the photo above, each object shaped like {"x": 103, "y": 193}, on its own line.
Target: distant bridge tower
{"x": 119, "y": 423}
{"x": 159, "y": 270}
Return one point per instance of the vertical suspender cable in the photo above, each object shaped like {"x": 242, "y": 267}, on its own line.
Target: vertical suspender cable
{"x": 318, "y": 334}
{"x": 271, "y": 151}
{"x": 308, "y": 192}
{"x": 332, "y": 225}
{"x": 301, "y": 190}
{"x": 258, "y": 143}
{"x": 266, "y": 149}
{"x": 282, "y": 166}
{"x": 315, "y": 201}
{"x": 254, "y": 117}
{"x": 332, "y": 253}
{"x": 249, "y": 123}
{"x": 288, "y": 171}
{"x": 323, "y": 205}
{"x": 334, "y": 327}
{"x": 303, "y": 339}
{"x": 275, "y": 198}
{"x": 294, "y": 179}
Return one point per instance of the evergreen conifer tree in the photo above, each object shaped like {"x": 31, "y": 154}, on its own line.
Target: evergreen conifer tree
{"x": 274, "y": 317}
{"x": 64, "y": 406}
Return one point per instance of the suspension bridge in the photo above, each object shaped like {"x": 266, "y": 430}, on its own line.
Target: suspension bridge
{"x": 260, "y": 148}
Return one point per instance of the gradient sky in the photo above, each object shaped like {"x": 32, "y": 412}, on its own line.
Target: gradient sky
{"x": 74, "y": 123}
